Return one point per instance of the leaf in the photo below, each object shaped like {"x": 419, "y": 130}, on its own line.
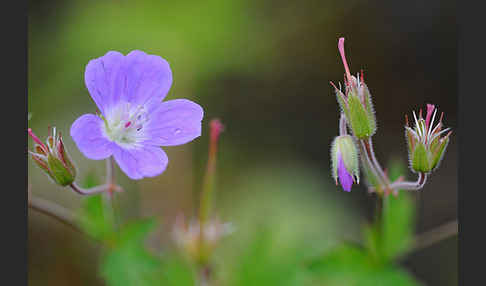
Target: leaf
{"x": 177, "y": 271}
{"x": 351, "y": 266}
{"x": 94, "y": 219}
{"x": 127, "y": 262}
{"x": 397, "y": 225}
{"x": 131, "y": 265}
{"x": 261, "y": 264}
{"x": 135, "y": 232}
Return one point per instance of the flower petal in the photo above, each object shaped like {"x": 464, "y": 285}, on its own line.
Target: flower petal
{"x": 137, "y": 78}
{"x": 174, "y": 122}
{"x": 345, "y": 177}
{"x": 102, "y": 78}
{"x": 147, "y": 161}
{"x": 147, "y": 78}
{"x": 86, "y": 132}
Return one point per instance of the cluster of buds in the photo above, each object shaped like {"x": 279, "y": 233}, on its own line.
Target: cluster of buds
{"x": 52, "y": 158}
{"x": 426, "y": 145}
{"x": 197, "y": 243}
{"x": 426, "y": 142}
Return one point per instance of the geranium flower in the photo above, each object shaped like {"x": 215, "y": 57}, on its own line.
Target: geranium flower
{"x": 133, "y": 121}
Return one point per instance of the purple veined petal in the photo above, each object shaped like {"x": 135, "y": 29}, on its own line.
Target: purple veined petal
{"x": 146, "y": 80}
{"x": 345, "y": 177}
{"x": 102, "y": 78}
{"x": 174, "y": 122}
{"x": 88, "y": 136}
{"x": 137, "y": 163}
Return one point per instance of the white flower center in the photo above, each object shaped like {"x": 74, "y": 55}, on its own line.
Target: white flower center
{"x": 124, "y": 124}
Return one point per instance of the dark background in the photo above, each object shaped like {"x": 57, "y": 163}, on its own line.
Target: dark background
{"x": 264, "y": 68}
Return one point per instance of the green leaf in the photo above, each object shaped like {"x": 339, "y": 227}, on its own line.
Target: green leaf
{"x": 177, "y": 271}
{"x": 397, "y": 225}
{"x": 131, "y": 265}
{"x": 94, "y": 219}
{"x": 351, "y": 266}
{"x": 135, "y": 232}
{"x": 127, "y": 262}
{"x": 261, "y": 264}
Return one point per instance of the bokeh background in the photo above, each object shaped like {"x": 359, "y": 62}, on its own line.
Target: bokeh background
{"x": 262, "y": 67}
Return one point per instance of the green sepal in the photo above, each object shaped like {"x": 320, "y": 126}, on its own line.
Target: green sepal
{"x": 362, "y": 123}
{"x": 60, "y": 173}
{"x": 42, "y": 163}
{"x": 420, "y": 160}
{"x": 437, "y": 156}
{"x": 342, "y": 103}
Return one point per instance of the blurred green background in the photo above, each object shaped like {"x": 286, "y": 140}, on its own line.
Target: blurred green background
{"x": 262, "y": 67}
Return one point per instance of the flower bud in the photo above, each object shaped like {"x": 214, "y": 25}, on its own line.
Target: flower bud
{"x": 356, "y": 101}
{"x": 345, "y": 161}
{"x": 426, "y": 147}
{"x": 52, "y": 158}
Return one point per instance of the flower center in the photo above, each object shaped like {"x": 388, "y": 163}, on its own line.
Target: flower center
{"x": 124, "y": 124}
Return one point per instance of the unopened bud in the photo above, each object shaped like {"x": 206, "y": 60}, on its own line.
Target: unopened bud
{"x": 345, "y": 161}
{"x": 52, "y": 158}
{"x": 356, "y": 102}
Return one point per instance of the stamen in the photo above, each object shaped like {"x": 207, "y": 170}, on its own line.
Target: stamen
{"x": 128, "y": 124}
{"x": 343, "y": 57}
{"x": 406, "y": 120}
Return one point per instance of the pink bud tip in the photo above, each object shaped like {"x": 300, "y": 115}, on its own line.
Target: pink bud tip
{"x": 343, "y": 57}
{"x": 430, "y": 110}
{"x": 35, "y": 138}
{"x": 216, "y": 128}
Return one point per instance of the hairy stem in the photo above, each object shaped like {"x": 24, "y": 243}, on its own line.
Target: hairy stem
{"x": 371, "y": 153}
{"x": 342, "y": 125}
{"x": 90, "y": 191}
{"x": 54, "y": 211}
{"x": 109, "y": 187}
{"x": 411, "y": 186}
{"x": 435, "y": 235}
{"x": 369, "y": 163}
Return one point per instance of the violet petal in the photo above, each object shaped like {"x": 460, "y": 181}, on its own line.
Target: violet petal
{"x": 88, "y": 136}
{"x": 137, "y": 163}
{"x": 345, "y": 177}
{"x": 174, "y": 122}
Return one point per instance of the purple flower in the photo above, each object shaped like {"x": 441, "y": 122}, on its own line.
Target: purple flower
{"x": 345, "y": 178}
{"x": 134, "y": 122}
